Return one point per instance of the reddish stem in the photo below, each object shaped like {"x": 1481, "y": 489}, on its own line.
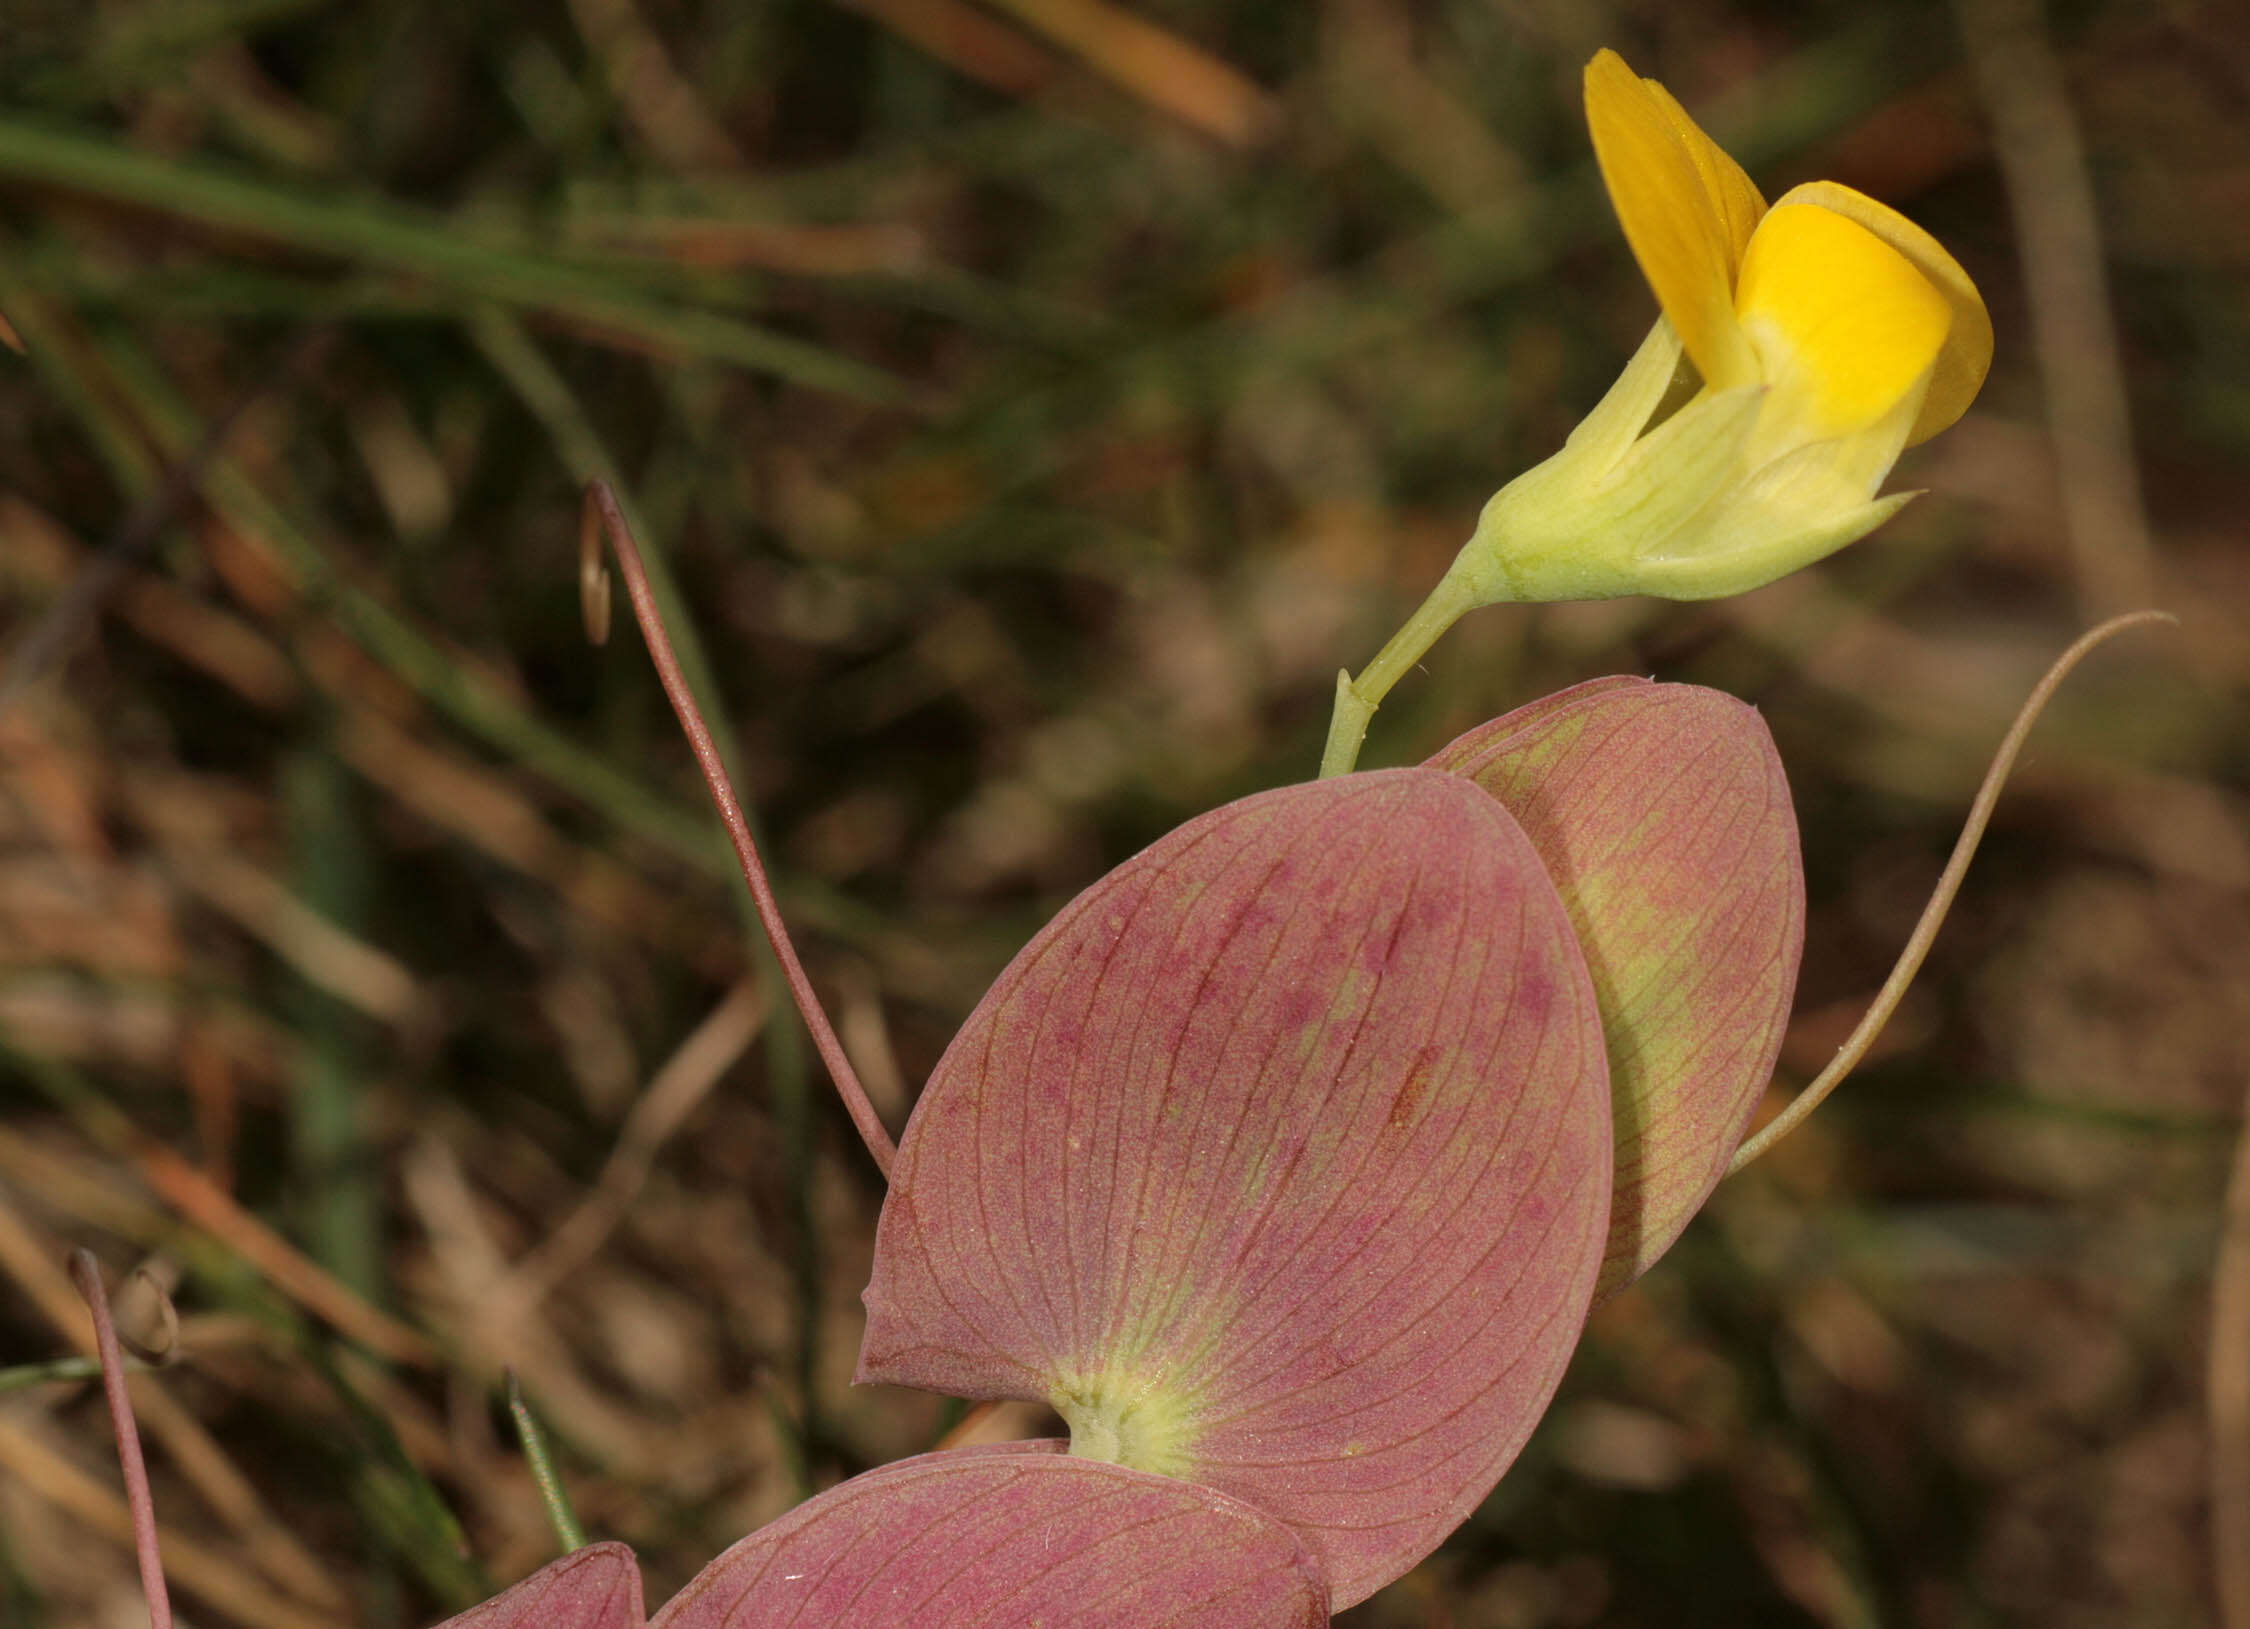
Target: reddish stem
{"x": 87, "y": 1274}
{"x": 602, "y": 506}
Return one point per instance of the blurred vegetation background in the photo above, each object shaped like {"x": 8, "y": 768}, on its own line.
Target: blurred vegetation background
{"x": 1033, "y": 403}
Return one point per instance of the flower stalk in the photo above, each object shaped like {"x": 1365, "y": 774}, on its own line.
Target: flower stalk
{"x": 1357, "y": 699}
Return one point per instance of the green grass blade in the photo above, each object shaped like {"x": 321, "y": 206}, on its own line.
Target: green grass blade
{"x": 377, "y": 234}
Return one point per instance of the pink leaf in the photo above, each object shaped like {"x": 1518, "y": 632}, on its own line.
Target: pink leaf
{"x": 1279, "y": 1161}
{"x": 1664, "y": 818}
{"x": 1018, "y": 1536}
{"x": 598, "y": 1587}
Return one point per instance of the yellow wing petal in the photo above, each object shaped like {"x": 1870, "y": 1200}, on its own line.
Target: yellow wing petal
{"x": 1677, "y": 223}
{"x": 1844, "y": 324}
{"x": 1967, "y": 352}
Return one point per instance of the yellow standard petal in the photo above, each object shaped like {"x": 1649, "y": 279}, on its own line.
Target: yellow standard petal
{"x": 1967, "y": 354}
{"x": 1734, "y": 196}
{"x": 1844, "y": 325}
{"x": 1678, "y": 198}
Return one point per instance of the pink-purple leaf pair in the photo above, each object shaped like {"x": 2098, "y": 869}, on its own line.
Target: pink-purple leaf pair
{"x": 1280, "y": 1164}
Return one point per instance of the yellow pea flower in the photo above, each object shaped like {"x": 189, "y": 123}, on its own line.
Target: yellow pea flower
{"x": 1801, "y": 349}
{"x": 1826, "y": 334}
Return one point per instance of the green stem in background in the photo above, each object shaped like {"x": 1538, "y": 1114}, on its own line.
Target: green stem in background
{"x": 568, "y": 1533}
{"x": 1357, "y": 699}
{"x": 402, "y": 1510}
{"x": 1941, "y": 898}
{"x": 334, "y": 1166}
{"x": 22, "y": 1376}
